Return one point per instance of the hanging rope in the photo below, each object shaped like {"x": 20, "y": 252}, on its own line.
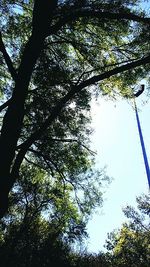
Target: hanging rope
{"x": 141, "y": 135}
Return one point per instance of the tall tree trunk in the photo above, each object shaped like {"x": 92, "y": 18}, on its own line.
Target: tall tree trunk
{"x": 13, "y": 119}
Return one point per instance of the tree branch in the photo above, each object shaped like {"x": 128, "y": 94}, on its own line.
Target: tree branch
{"x": 61, "y": 104}
{"x": 68, "y": 140}
{"x": 48, "y": 159}
{"x": 97, "y": 78}
{"x": 82, "y": 13}
{"x": 4, "y": 105}
{"x": 7, "y": 59}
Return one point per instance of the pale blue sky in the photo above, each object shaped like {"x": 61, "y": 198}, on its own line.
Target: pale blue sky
{"x": 117, "y": 143}
{"x": 118, "y": 146}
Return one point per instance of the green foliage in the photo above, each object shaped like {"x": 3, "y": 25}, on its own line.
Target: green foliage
{"x": 62, "y": 154}
{"x": 130, "y": 246}
{"x": 54, "y": 59}
{"x": 34, "y": 244}
{"x": 43, "y": 222}
{"x": 83, "y": 48}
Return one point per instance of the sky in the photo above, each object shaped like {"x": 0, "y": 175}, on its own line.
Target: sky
{"x": 118, "y": 147}
{"x": 117, "y": 143}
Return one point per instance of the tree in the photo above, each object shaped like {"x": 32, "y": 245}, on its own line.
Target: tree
{"x": 54, "y": 53}
{"x": 38, "y": 244}
{"x": 42, "y": 225}
{"x": 130, "y": 245}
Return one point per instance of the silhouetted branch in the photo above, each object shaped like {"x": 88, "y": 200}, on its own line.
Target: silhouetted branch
{"x": 5, "y": 105}
{"x": 7, "y": 59}
{"x": 89, "y": 13}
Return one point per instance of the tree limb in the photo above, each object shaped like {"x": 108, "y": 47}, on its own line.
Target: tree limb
{"x": 82, "y": 13}
{"x": 7, "y": 59}
{"x": 4, "y": 105}
{"x": 97, "y": 78}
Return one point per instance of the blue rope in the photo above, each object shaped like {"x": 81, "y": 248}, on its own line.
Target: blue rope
{"x": 142, "y": 145}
